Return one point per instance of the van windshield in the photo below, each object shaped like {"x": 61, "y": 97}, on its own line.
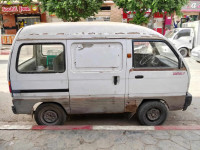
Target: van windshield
{"x": 170, "y": 33}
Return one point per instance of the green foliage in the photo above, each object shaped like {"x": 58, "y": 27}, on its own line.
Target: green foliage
{"x": 69, "y": 10}
{"x": 72, "y": 10}
{"x": 141, "y": 6}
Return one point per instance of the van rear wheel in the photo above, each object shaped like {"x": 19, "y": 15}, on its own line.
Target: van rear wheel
{"x": 50, "y": 114}
{"x": 152, "y": 113}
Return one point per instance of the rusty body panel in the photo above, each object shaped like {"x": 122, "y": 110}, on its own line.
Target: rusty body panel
{"x": 172, "y": 102}
{"x": 25, "y": 106}
{"x": 97, "y": 105}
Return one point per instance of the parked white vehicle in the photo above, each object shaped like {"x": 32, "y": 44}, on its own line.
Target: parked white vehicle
{"x": 60, "y": 69}
{"x": 196, "y": 53}
{"x": 186, "y": 38}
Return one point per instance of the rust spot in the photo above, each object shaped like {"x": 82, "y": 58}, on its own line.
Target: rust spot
{"x": 133, "y": 33}
{"x": 45, "y": 33}
{"x": 60, "y": 34}
{"x": 120, "y": 33}
{"x": 91, "y": 33}
{"x": 131, "y": 70}
{"x": 145, "y": 36}
{"x": 130, "y": 108}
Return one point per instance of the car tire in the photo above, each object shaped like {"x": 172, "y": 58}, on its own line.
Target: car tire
{"x": 183, "y": 51}
{"x": 50, "y": 114}
{"x": 152, "y": 113}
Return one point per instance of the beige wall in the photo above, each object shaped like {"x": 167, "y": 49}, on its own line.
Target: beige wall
{"x": 115, "y": 14}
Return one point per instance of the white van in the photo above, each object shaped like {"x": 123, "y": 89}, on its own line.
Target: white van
{"x": 60, "y": 69}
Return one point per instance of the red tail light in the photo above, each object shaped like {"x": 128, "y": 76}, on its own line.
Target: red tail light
{"x": 9, "y": 84}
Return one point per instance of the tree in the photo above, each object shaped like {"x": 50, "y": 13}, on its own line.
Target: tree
{"x": 140, "y": 7}
{"x": 68, "y": 10}
{"x": 71, "y": 10}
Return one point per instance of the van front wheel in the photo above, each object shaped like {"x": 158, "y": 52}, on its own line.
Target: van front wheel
{"x": 183, "y": 51}
{"x": 50, "y": 114}
{"x": 152, "y": 113}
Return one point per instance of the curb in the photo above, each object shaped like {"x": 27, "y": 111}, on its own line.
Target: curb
{"x": 89, "y": 127}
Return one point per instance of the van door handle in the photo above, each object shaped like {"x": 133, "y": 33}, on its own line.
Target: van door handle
{"x": 115, "y": 79}
{"x": 139, "y": 76}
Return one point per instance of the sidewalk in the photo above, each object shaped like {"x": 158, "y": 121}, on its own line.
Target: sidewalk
{"x": 101, "y": 139}
{"x": 5, "y": 50}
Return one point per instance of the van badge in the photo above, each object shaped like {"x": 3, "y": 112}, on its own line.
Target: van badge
{"x": 178, "y": 73}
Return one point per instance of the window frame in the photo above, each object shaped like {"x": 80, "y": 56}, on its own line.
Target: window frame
{"x": 154, "y": 68}
{"x": 18, "y": 53}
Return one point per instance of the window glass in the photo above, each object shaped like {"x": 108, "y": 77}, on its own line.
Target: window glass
{"x": 183, "y": 33}
{"x": 41, "y": 58}
{"x": 154, "y": 55}
{"x": 97, "y": 56}
{"x": 26, "y": 53}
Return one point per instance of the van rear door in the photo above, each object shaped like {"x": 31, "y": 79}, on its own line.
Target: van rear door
{"x": 39, "y": 71}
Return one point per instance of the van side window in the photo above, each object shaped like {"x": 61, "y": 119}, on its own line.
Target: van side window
{"x": 41, "y": 58}
{"x": 97, "y": 56}
{"x": 153, "y": 55}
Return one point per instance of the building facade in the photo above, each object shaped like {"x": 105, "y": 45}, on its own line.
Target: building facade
{"x": 16, "y": 16}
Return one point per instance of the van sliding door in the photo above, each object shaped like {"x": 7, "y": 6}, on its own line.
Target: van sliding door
{"x": 96, "y": 75}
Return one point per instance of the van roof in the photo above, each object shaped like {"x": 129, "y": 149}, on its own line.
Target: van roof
{"x": 85, "y": 30}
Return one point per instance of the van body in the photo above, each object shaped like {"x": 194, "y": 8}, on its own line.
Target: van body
{"x": 60, "y": 69}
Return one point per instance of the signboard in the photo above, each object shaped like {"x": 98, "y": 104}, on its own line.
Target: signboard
{"x": 192, "y": 6}
{"x": 10, "y": 9}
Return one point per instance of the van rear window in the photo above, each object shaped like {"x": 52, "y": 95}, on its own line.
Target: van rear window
{"x": 41, "y": 58}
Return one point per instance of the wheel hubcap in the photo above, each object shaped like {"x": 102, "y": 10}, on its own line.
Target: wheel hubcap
{"x": 153, "y": 114}
{"x": 50, "y": 116}
{"x": 183, "y": 52}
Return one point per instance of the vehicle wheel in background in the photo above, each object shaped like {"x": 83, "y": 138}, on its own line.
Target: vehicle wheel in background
{"x": 50, "y": 114}
{"x": 183, "y": 51}
{"x": 152, "y": 113}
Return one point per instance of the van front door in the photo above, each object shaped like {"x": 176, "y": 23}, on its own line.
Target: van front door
{"x": 155, "y": 72}
{"x": 96, "y": 76}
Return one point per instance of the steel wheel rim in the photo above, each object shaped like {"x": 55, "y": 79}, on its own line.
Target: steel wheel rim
{"x": 153, "y": 114}
{"x": 50, "y": 116}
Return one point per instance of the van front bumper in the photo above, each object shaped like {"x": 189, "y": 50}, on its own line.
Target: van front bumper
{"x": 188, "y": 101}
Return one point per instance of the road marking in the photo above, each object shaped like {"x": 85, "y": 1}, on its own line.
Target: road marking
{"x": 15, "y": 127}
{"x": 128, "y": 128}
{"x": 86, "y": 127}
{"x": 96, "y": 127}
